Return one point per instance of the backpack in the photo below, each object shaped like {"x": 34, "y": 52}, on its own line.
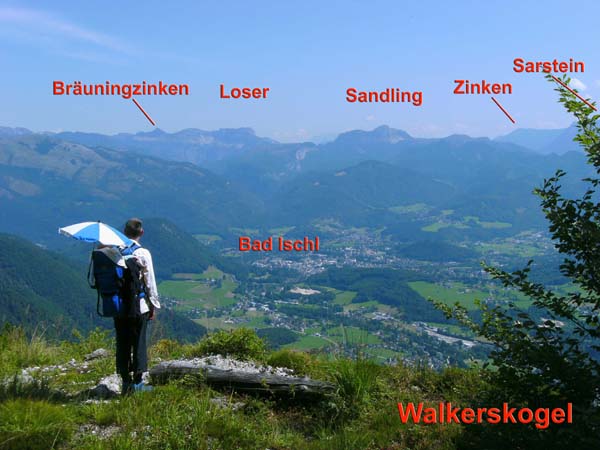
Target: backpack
{"x": 120, "y": 288}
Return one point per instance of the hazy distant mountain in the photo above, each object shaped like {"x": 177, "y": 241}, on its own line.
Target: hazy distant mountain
{"x": 13, "y": 132}
{"x": 557, "y": 141}
{"x": 46, "y": 182}
{"x": 380, "y": 135}
{"x": 189, "y": 145}
{"x": 564, "y": 142}
{"x": 357, "y": 193}
{"x": 361, "y": 178}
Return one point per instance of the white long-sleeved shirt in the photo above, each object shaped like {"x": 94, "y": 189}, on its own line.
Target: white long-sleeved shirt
{"x": 145, "y": 258}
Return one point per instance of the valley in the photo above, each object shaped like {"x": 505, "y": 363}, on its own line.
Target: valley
{"x": 333, "y": 248}
{"x": 321, "y": 313}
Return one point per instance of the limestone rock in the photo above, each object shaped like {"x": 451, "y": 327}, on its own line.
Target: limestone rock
{"x": 97, "y": 354}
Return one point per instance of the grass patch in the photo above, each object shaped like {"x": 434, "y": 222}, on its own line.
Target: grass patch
{"x": 215, "y": 323}
{"x": 244, "y": 231}
{"x": 360, "y": 414}
{"x": 17, "y": 350}
{"x": 34, "y": 424}
{"x": 510, "y": 248}
{"x": 341, "y": 297}
{"x": 207, "y": 290}
{"x": 309, "y": 343}
{"x": 352, "y": 336}
{"x": 497, "y": 225}
{"x": 211, "y": 272}
{"x": 450, "y": 294}
{"x": 410, "y": 209}
{"x": 456, "y": 330}
{"x": 208, "y": 237}
{"x": 437, "y": 226}
{"x": 484, "y": 224}
{"x": 281, "y": 231}
{"x": 362, "y": 305}
{"x": 186, "y": 276}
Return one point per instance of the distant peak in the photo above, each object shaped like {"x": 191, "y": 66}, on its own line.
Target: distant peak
{"x": 239, "y": 131}
{"x": 156, "y": 132}
{"x": 461, "y": 138}
{"x": 391, "y": 133}
{"x": 381, "y": 134}
{"x": 12, "y": 132}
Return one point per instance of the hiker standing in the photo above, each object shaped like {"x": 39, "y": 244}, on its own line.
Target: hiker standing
{"x": 132, "y": 355}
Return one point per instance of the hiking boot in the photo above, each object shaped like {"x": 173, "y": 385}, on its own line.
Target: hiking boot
{"x": 142, "y": 387}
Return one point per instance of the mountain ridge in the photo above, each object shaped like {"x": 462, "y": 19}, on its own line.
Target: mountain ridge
{"x": 531, "y": 138}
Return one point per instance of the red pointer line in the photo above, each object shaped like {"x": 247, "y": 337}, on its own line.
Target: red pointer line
{"x": 142, "y": 110}
{"x": 573, "y": 92}
{"x": 503, "y": 110}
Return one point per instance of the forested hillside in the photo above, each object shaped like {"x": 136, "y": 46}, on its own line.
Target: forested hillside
{"x": 46, "y": 293}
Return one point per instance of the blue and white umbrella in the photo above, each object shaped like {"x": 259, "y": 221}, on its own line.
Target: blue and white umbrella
{"x": 96, "y": 232}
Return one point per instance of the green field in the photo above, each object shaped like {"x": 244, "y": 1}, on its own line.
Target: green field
{"x": 510, "y": 249}
{"x": 197, "y": 290}
{"x": 520, "y": 300}
{"x": 352, "y": 336}
{"x": 308, "y": 343}
{"x": 251, "y": 319}
{"x": 379, "y": 353}
{"x": 363, "y": 305}
{"x": 498, "y": 225}
{"x": 484, "y": 224}
{"x": 437, "y": 226}
{"x": 341, "y": 297}
{"x": 450, "y": 294}
{"x": 466, "y": 295}
{"x": 344, "y": 297}
{"x": 410, "y": 209}
{"x": 282, "y": 231}
{"x": 465, "y": 222}
{"x": 453, "y": 329}
{"x": 215, "y": 323}
{"x": 211, "y": 272}
{"x": 208, "y": 237}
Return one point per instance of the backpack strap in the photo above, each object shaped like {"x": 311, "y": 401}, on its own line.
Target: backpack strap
{"x": 130, "y": 250}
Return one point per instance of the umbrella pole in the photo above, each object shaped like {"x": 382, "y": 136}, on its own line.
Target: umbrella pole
{"x": 90, "y": 276}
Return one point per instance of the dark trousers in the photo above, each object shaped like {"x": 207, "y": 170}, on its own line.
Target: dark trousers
{"x": 132, "y": 353}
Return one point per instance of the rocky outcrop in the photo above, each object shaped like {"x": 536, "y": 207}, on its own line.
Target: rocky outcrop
{"x": 241, "y": 376}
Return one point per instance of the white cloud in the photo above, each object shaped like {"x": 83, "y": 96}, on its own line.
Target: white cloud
{"x": 370, "y": 118}
{"x": 37, "y": 22}
{"x": 577, "y": 84}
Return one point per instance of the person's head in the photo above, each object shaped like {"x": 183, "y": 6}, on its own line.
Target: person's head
{"x": 133, "y": 228}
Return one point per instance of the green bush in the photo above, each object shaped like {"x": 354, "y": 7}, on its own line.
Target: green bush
{"x": 241, "y": 343}
{"x": 166, "y": 348}
{"x": 301, "y": 363}
{"x": 26, "y": 424}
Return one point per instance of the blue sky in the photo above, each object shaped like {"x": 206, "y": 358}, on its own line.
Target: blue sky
{"x": 308, "y": 53}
